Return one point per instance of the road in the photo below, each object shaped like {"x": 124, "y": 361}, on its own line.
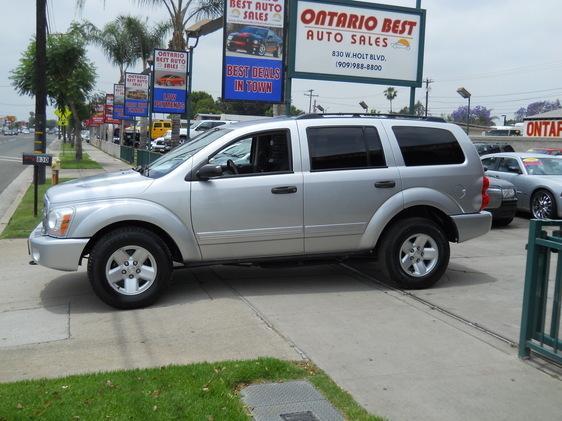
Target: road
{"x": 11, "y": 149}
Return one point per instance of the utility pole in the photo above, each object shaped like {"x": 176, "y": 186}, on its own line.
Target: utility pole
{"x": 310, "y": 95}
{"x": 427, "y": 82}
{"x": 40, "y": 145}
{"x": 314, "y": 107}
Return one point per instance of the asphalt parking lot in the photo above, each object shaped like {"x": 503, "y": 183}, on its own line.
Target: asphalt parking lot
{"x": 399, "y": 357}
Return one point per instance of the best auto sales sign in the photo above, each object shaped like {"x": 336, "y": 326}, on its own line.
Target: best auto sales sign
{"x": 358, "y": 42}
{"x": 170, "y": 81}
{"x": 253, "y": 50}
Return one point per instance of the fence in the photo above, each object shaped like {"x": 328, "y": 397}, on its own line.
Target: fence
{"x": 127, "y": 154}
{"x": 540, "y": 319}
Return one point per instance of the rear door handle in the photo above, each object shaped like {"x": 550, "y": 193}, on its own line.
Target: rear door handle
{"x": 284, "y": 190}
{"x": 388, "y": 184}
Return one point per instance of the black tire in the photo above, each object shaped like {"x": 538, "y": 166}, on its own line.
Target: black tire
{"x": 502, "y": 222}
{"x": 261, "y": 50}
{"x": 115, "y": 240}
{"x": 543, "y": 205}
{"x": 277, "y": 52}
{"x": 390, "y": 253}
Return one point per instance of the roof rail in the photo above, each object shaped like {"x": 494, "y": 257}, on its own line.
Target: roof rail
{"x": 388, "y": 116}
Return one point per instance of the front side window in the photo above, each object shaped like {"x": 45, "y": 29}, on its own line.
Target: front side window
{"x": 340, "y": 148}
{"x": 509, "y": 165}
{"x": 259, "y": 153}
{"x": 490, "y": 163}
{"x": 428, "y": 146}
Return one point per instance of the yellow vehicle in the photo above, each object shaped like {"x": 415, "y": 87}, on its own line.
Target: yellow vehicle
{"x": 159, "y": 128}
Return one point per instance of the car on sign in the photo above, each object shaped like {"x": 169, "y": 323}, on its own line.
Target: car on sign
{"x": 537, "y": 178}
{"x": 170, "y": 80}
{"x": 255, "y": 40}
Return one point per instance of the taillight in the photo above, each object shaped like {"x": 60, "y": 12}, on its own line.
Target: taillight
{"x": 485, "y": 197}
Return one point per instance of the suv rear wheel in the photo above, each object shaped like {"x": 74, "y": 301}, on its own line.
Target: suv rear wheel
{"x": 129, "y": 268}
{"x": 414, "y": 253}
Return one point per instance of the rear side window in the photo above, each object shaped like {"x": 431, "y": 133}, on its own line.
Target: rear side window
{"x": 157, "y": 124}
{"x": 339, "y": 148}
{"x": 428, "y": 146}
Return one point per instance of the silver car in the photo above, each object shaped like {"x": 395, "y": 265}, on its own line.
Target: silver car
{"x": 537, "y": 178}
{"x": 273, "y": 190}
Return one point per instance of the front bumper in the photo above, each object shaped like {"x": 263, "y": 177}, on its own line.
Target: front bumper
{"x": 56, "y": 253}
{"x": 472, "y": 225}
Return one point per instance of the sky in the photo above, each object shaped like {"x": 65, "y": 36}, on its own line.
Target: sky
{"x": 505, "y": 52}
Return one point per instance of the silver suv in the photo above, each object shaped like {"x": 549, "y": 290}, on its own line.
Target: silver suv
{"x": 282, "y": 189}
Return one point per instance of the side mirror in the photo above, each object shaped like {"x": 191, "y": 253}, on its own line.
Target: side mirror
{"x": 209, "y": 171}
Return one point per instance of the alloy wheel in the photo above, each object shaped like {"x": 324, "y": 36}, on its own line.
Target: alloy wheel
{"x": 419, "y": 255}
{"x": 131, "y": 270}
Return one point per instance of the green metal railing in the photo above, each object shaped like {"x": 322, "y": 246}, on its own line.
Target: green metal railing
{"x": 540, "y": 319}
{"x": 146, "y": 157}
{"x": 127, "y": 154}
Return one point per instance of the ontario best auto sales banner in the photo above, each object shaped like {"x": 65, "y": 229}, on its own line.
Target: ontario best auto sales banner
{"x": 253, "y": 50}
{"x": 136, "y": 95}
{"x": 358, "y": 42}
{"x": 119, "y": 102}
{"x": 170, "y": 82}
{"x": 108, "y": 118}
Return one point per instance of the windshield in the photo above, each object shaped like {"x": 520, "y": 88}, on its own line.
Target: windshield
{"x": 543, "y": 166}
{"x": 257, "y": 31}
{"x": 177, "y": 156}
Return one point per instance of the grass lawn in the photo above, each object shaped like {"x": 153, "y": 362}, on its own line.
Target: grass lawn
{"x": 207, "y": 391}
{"x": 68, "y": 162}
{"x": 22, "y": 221}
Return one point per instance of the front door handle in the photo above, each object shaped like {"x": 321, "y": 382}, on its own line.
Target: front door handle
{"x": 284, "y": 190}
{"x": 388, "y": 184}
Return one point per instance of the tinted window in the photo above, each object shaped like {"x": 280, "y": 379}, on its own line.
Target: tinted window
{"x": 490, "y": 163}
{"x": 333, "y": 148}
{"x": 509, "y": 165}
{"x": 428, "y": 146}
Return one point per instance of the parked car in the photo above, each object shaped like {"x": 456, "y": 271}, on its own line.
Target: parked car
{"x": 537, "y": 178}
{"x": 547, "y": 151}
{"x": 503, "y": 201}
{"x": 160, "y": 145}
{"x": 485, "y": 148}
{"x": 287, "y": 189}
{"x": 255, "y": 40}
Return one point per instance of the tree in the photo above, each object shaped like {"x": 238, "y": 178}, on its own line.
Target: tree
{"x": 144, "y": 40}
{"x": 70, "y": 75}
{"x": 390, "y": 93}
{"x": 479, "y": 115}
{"x": 419, "y": 110}
{"x": 535, "y": 108}
{"x": 200, "y": 102}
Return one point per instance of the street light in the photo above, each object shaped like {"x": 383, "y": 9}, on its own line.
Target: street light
{"x": 364, "y": 106}
{"x": 504, "y": 119}
{"x": 466, "y": 95}
{"x": 321, "y": 108}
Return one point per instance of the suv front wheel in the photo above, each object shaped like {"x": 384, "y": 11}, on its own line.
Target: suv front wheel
{"x": 129, "y": 267}
{"x": 414, "y": 253}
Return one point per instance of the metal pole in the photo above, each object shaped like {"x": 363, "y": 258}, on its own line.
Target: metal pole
{"x": 468, "y": 117}
{"x": 426, "y": 95}
{"x": 188, "y": 104}
{"x": 150, "y": 93}
{"x": 40, "y": 145}
{"x": 413, "y": 89}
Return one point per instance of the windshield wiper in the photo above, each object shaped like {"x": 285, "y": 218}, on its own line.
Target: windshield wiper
{"x": 141, "y": 169}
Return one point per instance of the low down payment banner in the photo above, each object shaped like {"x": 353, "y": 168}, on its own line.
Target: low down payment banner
{"x": 170, "y": 82}
{"x": 253, "y": 50}
{"x": 136, "y": 95}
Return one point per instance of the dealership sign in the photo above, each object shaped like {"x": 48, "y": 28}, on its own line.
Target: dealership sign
{"x": 170, "y": 82}
{"x": 98, "y": 117}
{"x": 543, "y": 128}
{"x": 136, "y": 95}
{"x": 357, "y": 42}
{"x": 253, "y": 50}
{"x": 109, "y": 104}
{"x": 119, "y": 102}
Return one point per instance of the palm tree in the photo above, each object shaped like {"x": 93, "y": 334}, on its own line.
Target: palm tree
{"x": 390, "y": 93}
{"x": 181, "y": 12}
{"x": 145, "y": 39}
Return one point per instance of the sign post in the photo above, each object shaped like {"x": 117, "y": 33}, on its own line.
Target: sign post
{"x": 38, "y": 161}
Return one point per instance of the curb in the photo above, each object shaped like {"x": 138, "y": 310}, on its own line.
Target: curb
{"x": 12, "y": 195}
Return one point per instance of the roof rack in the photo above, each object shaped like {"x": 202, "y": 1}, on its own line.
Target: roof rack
{"x": 388, "y": 116}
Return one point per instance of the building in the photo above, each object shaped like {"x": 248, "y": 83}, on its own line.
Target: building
{"x": 547, "y": 124}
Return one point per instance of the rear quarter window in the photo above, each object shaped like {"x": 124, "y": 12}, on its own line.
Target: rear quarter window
{"x": 428, "y": 146}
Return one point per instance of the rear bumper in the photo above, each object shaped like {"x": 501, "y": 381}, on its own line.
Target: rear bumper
{"x": 472, "y": 225}
{"x": 56, "y": 253}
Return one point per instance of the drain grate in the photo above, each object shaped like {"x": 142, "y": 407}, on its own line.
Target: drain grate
{"x": 299, "y": 416}
{"x": 290, "y": 401}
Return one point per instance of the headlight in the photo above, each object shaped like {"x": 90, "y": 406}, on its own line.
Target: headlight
{"x": 58, "y": 221}
{"x": 508, "y": 193}
{"x": 229, "y": 37}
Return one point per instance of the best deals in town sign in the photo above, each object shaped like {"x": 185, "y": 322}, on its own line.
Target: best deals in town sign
{"x": 358, "y": 42}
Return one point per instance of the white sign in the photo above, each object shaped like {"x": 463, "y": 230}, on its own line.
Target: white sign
{"x": 267, "y": 13}
{"x": 343, "y": 41}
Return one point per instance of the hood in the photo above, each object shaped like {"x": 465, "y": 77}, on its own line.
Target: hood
{"x": 98, "y": 187}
